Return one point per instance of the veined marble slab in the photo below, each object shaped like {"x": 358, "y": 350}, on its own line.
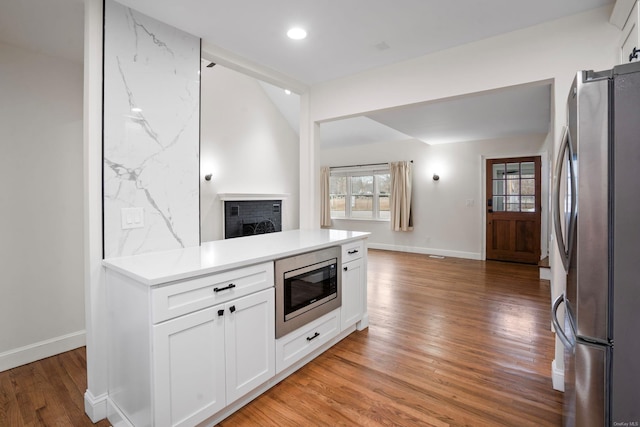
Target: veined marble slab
{"x": 151, "y": 132}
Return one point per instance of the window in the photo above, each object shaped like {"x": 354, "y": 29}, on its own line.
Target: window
{"x": 514, "y": 187}
{"x": 360, "y": 193}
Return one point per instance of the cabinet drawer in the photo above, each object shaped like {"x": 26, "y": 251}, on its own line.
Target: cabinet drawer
{"x": 301, "y": 342}
{"x": 351, "y": 251}
{"x": 185, "y": 297}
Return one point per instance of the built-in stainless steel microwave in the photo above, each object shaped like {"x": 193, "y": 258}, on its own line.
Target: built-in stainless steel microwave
{"x": 307, "y": 286}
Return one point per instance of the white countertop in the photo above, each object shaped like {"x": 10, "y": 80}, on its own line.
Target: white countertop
{"x": 220, "y": 255}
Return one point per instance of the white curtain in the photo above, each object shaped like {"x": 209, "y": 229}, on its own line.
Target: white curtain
{"x": 325, "y": 204}
{"x": 401, "y": 178}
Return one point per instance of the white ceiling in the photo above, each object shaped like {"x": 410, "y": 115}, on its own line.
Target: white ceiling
{"x": 342, "y": 40}
{"x": 508, "y": 112}
{"x": 344, "y": 36}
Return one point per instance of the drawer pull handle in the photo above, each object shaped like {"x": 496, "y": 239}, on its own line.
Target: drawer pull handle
{"x": 231, "y": 286}
{"x": 232, "y": 308}
{"x": 220, "y": 312}
{"x": 345, "y": 268}
{"x": 316, "y": 335}
{"x": 355, "y": 251}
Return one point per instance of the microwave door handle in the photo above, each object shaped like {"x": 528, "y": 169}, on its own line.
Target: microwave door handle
{"x": 554, "y": 319}
{"x": 557, "y": 216}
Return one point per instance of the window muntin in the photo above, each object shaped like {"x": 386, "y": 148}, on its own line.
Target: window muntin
{"x": 514, "y": 187}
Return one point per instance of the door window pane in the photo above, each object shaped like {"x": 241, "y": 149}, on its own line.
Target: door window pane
{"x": 513, "y": 170}
{"x": 528, "y": 169}
{"x": 528, "y": 187}
{"x": 517, "y": 182}
{"x": 528, "y": 204}
{"x": 513, "y": 187}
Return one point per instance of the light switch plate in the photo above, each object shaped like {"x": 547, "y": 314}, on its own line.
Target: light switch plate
{"x": 132, "y": 218}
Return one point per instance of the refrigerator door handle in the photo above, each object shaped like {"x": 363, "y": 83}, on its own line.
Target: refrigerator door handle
{"x": 554, "y": 318}
{"x": 564, "y": 242}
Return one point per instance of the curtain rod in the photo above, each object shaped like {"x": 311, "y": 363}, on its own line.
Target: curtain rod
{"x": 358, "y": 166}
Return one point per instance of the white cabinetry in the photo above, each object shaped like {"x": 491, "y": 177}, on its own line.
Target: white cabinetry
{"x": 208, "y": 341}
{"x": 249, "y": 342}
{"x": 197, "y": 354}
{"x": 630, "y": 42}
{"x": 354, "y": 285}
{"x": 189, "y": 368}
{"x": 191, "y": 332}
{"x": 352, "y": 290}
{"x": 303, "y": 341}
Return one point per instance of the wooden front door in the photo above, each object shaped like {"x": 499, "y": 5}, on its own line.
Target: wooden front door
{"x": 513, "y": 209}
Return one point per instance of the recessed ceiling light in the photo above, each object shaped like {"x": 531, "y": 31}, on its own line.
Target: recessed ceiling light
{"x": 136, "y": 109}
{"x": 287, "y": 91}
{"x": 297, "y": 33}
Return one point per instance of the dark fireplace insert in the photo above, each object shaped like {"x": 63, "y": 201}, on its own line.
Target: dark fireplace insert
{"x": 249, "y": 217}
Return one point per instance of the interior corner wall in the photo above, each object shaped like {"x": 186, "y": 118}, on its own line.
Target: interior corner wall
{"x": 247, "y": 146}
{"x": 41, "y": 194}
{"x": 151, "y": 133}
{"x": 447, "y": 214}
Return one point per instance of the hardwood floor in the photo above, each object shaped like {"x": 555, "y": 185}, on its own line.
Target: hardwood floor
{"x": 451, "y": 342}
{"x": 49, "y": 392}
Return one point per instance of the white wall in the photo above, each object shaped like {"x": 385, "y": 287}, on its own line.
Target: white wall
{"x": 41, "y": 215}
{"x": 247, "y": 146}
{"x": 443, "y": 223}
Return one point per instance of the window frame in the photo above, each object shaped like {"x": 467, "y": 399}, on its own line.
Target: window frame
{"x": 359, "y": 171}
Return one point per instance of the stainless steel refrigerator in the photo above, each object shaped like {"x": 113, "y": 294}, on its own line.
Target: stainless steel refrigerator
{"x": 597, "y": 221}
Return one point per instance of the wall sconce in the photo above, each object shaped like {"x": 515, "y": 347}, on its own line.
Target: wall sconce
{"x": 207, "y": 177}
{"x": 436, "y": 177}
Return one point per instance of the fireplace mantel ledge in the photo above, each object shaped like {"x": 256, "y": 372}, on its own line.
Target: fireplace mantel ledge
{"x": 251, "y": 196}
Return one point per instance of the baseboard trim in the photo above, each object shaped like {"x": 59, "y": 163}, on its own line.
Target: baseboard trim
{"x": 557, "y": 376}
{"x": 426, "y": 251}
{"x": 40, "y": 350}
{"x": 545, "y": 273}
{"x": 95, "y": 406}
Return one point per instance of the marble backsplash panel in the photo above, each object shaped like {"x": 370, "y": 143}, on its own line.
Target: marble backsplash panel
{"x": 151, "y": 132}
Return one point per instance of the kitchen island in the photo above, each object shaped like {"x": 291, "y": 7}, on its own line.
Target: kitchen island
{"x": 191, "y": 331}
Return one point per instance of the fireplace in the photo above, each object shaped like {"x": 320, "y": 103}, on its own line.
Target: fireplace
{"x": 249, "y": 217}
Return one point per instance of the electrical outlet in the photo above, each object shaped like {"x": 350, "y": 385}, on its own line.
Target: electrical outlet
{"x": 132, "y": 218}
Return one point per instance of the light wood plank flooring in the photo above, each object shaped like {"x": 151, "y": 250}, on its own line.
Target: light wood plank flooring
{"x": 451, "y": 343}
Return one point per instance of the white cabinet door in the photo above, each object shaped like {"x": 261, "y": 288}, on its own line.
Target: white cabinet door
{"x": 629, "y": 46}
{"x": 352, "y": 293}
{"x": 250, "y": 342}
{"x": 189, "y": 368}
